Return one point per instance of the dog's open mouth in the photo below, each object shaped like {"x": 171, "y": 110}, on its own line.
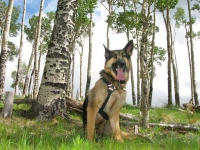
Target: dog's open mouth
{"x": 119, "y": 71}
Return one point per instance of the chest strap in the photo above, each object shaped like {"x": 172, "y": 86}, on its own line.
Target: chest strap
{"x": 111, "y": 89}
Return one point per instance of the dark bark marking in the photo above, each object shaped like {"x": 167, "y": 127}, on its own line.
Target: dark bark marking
{"x": 56, "y": 85}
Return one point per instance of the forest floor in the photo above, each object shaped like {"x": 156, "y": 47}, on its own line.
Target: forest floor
{"x": 22, "y": 133}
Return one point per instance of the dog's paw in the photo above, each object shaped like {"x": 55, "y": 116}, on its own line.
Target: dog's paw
{"x": 119, "y": 138}
{"x": 126, "y": 135}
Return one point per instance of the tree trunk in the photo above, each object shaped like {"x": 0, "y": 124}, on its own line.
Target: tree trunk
{"x": 35, "y": 89}
{"x": 144, "y": 68}
{"x": 89, "y": 58}
{"x": 138, "y": 71}
{"x": 73, "y": 65}
{"x": 25, "y": 88}
{"x": 176, "y": 82}
{"x": 167, "y": 24}
{"x": 138, "y": 60}
{"x": 69, "y": 85}
{"x": 19, "y": 69}
{"x": 51, "y": 97}
{"x": 169, "y": 60}
{"x": 108, "y": 23}
{"x": 132, "y": 73}
{"x": 132, "y": 85}
{"x": 3, "y": 56}
{"x": 30, "y": 83}
{"x": 175, "y": 71}
{"x": 39, "y": 61}
{"x": 81, "y": 64}
{"x": 190, "y": 64}
{"x": 192, "y": 57}
{"x": 152, "y": 60}
{"x": 8, "y": 105}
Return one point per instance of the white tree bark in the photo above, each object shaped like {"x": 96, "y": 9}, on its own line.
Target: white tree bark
{"x": 55, "y": 79}
{"x": 19, "y": 69}
{"x": 3, "y": 56}
{"x": 35, "y": 90}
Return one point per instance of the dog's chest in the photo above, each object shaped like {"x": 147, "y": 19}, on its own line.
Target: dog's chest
{"x": 116, "y": 100}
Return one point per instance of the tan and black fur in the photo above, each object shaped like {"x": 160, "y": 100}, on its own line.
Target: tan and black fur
{"x": 115, "y": 74}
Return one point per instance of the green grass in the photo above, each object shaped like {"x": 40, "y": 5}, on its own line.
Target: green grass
{"x": 62, "y": 134}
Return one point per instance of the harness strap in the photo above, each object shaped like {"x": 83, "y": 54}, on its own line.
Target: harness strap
{"x": 112, "y": 85}
{"x": 101, "y": 111}
{"x": 111, "y": 88}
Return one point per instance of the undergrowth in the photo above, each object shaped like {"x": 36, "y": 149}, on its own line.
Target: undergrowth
{"x": 21, "y": 133}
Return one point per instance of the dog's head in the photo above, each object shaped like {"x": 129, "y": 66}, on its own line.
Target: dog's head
{"x": 118, "y": 62}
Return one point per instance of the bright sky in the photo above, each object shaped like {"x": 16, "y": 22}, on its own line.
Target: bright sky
{"x": 118, "y": 41}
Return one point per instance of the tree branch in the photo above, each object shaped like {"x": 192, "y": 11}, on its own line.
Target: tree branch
{"x": 103, "y": 5}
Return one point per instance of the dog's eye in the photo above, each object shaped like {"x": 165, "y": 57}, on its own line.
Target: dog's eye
{"x": 115, "y": 55}
{"x": 124, "y": 55}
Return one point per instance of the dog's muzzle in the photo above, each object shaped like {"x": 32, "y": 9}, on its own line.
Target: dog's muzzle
{"x": 119, "y": 69}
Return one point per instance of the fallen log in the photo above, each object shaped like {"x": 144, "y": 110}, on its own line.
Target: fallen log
{"x": 24, "y": 101}
{"x": 176, "y": 126}
{"x": 129, "y": 117}
{"x": 74, "y": 103}
{"x": 165, "y": 125}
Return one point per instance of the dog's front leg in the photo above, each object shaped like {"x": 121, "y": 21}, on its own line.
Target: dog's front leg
{"x": 91, "y": 115}
{"x": 114, "y": 123}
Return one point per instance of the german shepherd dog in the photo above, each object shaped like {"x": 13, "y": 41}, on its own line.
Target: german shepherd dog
{"x": 102, "y": 105}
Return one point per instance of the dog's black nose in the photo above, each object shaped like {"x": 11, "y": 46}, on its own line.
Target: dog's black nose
{"x": 122, "y": 63}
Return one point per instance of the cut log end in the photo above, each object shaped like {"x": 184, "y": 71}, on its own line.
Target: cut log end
{"x": 8, "y": 105}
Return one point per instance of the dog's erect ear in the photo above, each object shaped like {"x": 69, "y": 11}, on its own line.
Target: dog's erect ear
{"x": 129, "y": 48}
{"x": 107, "y": 52}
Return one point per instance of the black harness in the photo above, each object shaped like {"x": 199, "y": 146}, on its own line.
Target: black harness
{"x": 111, "y": 88}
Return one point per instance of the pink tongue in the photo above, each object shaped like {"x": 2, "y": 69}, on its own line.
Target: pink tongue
{"x": 120, "y": 74}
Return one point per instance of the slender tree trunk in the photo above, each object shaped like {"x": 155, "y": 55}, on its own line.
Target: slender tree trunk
{"x": 144, "y": 68}
{"x": 19, "y": 71}
{"x": 73, "y": 65}
{"x": 175, "y": 71}
{"x": 69, "y": 84}
{"x": 108, "y": 23}
{"x": 138, "y": 61}
{"x": 132, "y": 73}
{"x": 190, "y": 65}
{"x": 71, "y": 89}
{"x": 89, "y": 58}
{"x": 138, "y": 71}
{"x": 39, "y": 61}
{"x": 152, "y": 60}
{"x": 81, "y": 64}
{"x": 192, "y": 57}
{"x": 107, "y": 35}
{"x": 167, "y": 24}
{"x": 3, "y": 56}
{"x": 132, "y": 85}
{"x": 25, "y": 88}
{"x": 55, "y": 80}
{"x": 35, "y": 89}
{"x": 169, "y": 61}
{"x": 30, "y": 83}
